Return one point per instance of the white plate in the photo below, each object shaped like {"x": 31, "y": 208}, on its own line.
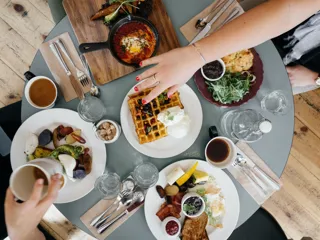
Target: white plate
{"x": 167, "y": 146}
{"x": 232, "y": 205}
{"x": 50, "y": 119}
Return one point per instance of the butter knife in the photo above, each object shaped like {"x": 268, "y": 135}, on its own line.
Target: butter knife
{"x": 207, "y": 28}
{"x": 74, "y": 82}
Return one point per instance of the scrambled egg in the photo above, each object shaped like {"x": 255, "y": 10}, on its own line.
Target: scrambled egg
{"x": 239, "y": 61}
{"x": 133, "y": 45}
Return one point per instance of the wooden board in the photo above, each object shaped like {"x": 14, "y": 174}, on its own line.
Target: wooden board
{"x": 104, "y": 67}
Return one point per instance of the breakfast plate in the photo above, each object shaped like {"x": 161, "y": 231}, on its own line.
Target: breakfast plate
{"x": 225, "y": 224}
{"x": 256, "y": 69}
{"x": 167, "y": 146}
{"x": 51, "y": 119}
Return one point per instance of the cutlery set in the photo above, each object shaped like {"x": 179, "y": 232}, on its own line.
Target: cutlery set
{"x": 205, "y": 26}
{"x": 259, "y": 179}
{"x": 58, "y": 46}
{"x": 129, "y": 199}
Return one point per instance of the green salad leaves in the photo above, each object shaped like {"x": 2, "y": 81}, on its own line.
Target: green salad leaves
{"x": 232, "y": 87}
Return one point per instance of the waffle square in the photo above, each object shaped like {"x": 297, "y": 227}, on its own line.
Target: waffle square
{"x": 148, "y": 128}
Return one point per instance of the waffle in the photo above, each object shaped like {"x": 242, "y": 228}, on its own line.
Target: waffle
{"x": 148, "y": 128}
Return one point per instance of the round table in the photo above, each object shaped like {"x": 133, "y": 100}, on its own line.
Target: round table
{"x": 273, "y": 148}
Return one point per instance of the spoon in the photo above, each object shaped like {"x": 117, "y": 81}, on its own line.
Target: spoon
{"x": 202, "y": 22}
{"x": 138, "y": 198}
{"x": 124, "y": 202}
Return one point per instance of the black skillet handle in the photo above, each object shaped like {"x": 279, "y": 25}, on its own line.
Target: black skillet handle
{"x": 29, "y": 75}
{"x": 213, "y": 132}
{"x": 90, "y": 47}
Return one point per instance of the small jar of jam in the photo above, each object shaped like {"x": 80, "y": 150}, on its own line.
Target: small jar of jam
{"x": 171, "y": 227}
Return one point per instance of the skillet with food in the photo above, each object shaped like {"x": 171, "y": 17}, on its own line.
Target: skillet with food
{"x": 131, "y": 40}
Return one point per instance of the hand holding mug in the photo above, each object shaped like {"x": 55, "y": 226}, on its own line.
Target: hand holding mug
{"x": 22, "y": 219}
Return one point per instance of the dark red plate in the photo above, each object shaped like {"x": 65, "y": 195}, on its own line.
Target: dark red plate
{"x": 257, "y": 70}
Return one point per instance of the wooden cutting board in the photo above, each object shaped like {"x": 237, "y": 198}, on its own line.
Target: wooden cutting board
{"x": 104, "y": 67}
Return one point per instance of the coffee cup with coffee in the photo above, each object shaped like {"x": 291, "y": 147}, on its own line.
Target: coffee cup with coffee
{"x": 40, "y": 92}
{"x": 24, "y": 177}
{"x": 220, "y": 151}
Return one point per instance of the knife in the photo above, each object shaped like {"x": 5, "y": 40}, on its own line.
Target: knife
{"x": 207, "y": 28}
{"x": 104, "y": 227}
{"x": 74, "y": 82}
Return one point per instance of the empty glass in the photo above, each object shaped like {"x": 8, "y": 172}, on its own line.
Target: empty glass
{"x": 108, "y": 185}
{"x": 146, "y": 175}
{"x": 91, "y": 109}
{"x": 275, "y": 102}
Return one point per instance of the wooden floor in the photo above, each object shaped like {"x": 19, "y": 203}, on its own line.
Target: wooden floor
{"x": 23, "y": 26}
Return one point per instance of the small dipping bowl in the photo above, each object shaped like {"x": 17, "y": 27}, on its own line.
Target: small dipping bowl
{"x": 170, "y": 224}
{"x": 210, "y": 63}
{"x": 100, "y": 126}
{"x": 193, "y": 195}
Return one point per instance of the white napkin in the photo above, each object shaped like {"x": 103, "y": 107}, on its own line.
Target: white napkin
{"x": 249, "y": 181}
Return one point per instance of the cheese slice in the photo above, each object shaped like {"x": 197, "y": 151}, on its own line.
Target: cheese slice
{"x": 200, "y": 176}
{"x": 174, "y": 175}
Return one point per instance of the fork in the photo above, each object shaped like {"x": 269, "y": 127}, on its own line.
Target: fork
{"x": 121, "y": 195}
{"x": 82, "y": 77}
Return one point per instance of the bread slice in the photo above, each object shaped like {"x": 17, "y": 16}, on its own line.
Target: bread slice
{"x": 195, "y": 228}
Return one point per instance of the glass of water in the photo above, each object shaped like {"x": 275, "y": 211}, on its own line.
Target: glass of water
{"x": 108, "y": 185}
{"x": 146, "y": 175}
{"x": 91, "y": 109}
{"x": 275, "y": 102}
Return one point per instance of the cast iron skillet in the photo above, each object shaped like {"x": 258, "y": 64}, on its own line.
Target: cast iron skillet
{"x": 89, "y": 47}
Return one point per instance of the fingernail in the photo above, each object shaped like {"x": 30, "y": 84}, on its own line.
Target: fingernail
{"x": 40, "y": 181}
{"x": 137, "y": 78}
{"x": 56, "y": 177}
{"x": 144, "y": 101}
{"x": 136, "y": 89}
{"x": 140, "y": 64}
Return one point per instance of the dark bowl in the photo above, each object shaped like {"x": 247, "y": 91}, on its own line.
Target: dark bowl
{"x": 257, "y": 70}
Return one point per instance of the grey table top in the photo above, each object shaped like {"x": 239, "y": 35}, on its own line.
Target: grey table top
{"x": 274, "y": 148}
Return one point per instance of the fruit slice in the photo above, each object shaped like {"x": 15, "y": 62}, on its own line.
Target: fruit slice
{"x": 200, "y": 176}
{"x": 70, "y": 139}
{"x": 187, "y": 175}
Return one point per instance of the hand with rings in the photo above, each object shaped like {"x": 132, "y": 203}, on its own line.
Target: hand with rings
{"x": 171, "y": 70}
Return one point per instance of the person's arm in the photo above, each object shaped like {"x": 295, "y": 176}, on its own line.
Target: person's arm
{"x": 259, "y": 24}
{"x": 266, "y": 21}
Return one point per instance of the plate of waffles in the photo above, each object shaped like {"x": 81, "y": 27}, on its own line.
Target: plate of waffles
{"x": 148, "y": 135}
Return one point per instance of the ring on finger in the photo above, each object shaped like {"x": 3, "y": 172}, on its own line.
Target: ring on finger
{"x": 155, "y": 82}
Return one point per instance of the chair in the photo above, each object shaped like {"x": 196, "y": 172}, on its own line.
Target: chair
{"x": 260, "y": 226}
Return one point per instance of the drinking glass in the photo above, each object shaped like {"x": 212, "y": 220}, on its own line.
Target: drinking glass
{"x": 146, "y": 175}
{"x": 108, "y": 185}
{"x": 91, "y": 109}
{"x": 275, "y": 102}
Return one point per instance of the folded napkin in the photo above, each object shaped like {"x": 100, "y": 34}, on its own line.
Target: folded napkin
{"x": 249, "y": 177}
{"x": 60, "y": 76}
{"x": 189, "y": 30}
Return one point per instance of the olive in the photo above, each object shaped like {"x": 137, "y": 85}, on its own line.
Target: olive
{"x": 183, "y": 188}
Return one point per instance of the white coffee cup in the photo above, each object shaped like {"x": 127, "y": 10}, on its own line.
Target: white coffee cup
{"x": 27, "y": 90}
{"x": 23, "y": 178}
{"x": 230, "y": 158}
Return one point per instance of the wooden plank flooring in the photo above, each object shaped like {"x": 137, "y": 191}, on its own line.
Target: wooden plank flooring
{"x": 296, "y": 206}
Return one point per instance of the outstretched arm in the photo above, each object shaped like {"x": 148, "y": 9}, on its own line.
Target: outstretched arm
{"x": 261, "y": 23}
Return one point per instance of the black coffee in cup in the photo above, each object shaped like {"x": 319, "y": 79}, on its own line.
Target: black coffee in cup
{"x": 218, "y": 150}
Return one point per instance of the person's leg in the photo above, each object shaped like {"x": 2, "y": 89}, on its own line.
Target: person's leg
{"x": 57, "y": 10}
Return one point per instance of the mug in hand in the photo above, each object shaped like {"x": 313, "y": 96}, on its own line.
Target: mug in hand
{"x": 24, "y": 177}
{"x": 220, "y": 152}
